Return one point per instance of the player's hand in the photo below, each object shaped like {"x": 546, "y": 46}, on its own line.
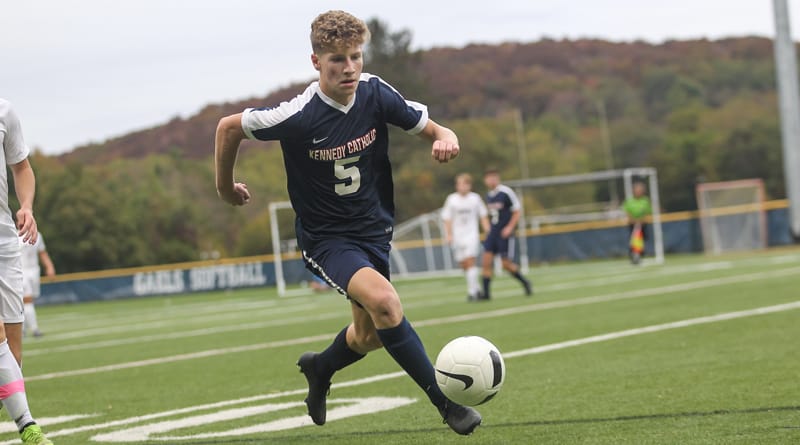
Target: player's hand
{"x": 506, "y": 232}
{"x": 26, "y": 224}
{"x": 238, "y": 195}
{"x": 444, "y": 151}
{"x": 449, "y": 239}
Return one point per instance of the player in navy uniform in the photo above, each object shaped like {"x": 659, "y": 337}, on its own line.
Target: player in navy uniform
{"x": 504, "y": 211}
{"x": 335, "y": 149}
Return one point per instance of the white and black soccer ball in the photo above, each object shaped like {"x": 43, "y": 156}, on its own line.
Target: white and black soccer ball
{"x": 470, "y": 370}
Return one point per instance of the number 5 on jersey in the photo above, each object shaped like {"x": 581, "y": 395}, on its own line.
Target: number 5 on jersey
{"x": 347, "y": 174}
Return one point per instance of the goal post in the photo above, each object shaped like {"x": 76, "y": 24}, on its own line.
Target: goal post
{"x": 732, "y": 215}
{"x": 582, "y": 213}
{"x": 417, "y": 251}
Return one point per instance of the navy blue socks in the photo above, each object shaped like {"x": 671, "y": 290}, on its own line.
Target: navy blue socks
{"x": 336, "y": 356}
{"x": 486, "y": 282}
{"x": 405, "y": 347}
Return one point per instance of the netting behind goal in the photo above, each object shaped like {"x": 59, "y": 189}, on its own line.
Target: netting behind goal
{"x": 576, "y": 211}
{"x": 417, "y": 250}
{"x": 732, "y": 216}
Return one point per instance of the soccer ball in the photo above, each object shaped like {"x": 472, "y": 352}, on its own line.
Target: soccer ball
{"x": 470, "y": 370}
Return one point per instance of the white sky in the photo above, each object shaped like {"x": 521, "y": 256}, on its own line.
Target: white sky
{"x": 82, "y": 71}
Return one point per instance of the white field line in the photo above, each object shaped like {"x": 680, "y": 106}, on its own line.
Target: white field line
{"x": 121, "y": 328}
{"x": 638, "y": 293}
{"x": 215, "y": 330}
{"x": 656, "y": 328}
{"x": 503, "y": 291}
{"x": 223, "y": 329}
{"x": 164, "y": 312}
{"x": 186, "y": 334}
{"x": 393, "y": 375}
{"x": 434, "y": 321}
{"x": 169, "y": 313}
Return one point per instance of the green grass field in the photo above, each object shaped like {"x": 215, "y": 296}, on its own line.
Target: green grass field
{"x": 698, "y": 351}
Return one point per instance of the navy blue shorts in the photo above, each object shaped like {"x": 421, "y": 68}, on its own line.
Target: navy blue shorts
{"x": 337, "y": 260}
{"x": 496, "y": 244}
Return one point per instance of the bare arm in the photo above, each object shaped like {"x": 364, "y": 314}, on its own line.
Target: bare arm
{"x": 485, "y": 224}
{"x": 25, "y": 184}
{"x": 509, "y": 228}
{"x": 49, "y": 269}
{"x": 445, "y": 142}
{"x": 226, "y": 148}
{"x": 448, "y": 230}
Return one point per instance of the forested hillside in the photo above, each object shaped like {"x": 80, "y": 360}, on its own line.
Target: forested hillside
{"x": 696, "y": 110}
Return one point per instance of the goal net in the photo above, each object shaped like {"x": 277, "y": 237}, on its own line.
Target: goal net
{"x": 732, "y": 215}
{"x": 580, "y": 215}
{"x": 417, "y": 250}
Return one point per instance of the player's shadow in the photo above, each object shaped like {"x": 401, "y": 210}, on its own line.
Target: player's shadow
{"x": 320, "y": 437}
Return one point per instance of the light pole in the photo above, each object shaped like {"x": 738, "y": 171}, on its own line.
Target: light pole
{"x": 606, "y": 139}
{"x": 789, "y": 102}
{"x": 521, "y": 149}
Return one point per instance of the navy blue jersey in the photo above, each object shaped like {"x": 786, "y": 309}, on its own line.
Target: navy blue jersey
{"x": 501, "y": 202}
{"x": 336, "y": 156}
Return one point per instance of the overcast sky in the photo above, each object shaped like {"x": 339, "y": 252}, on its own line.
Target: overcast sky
{"x": 82, "y": 71}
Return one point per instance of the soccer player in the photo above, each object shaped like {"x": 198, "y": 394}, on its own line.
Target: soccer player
{"x": 504, "y": 211}
{"x": 12, "y": 386}
{"x": 461, "y": 212}
{"x": 335, "y": 145}
{"x": 637, "y": 208}
{"x": 32, "y": 254}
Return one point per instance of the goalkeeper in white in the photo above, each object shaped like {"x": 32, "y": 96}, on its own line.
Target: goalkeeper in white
{"x": 461, "y": 212}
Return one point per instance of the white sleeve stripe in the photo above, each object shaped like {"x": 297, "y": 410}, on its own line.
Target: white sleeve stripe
{"x": 515, "y": 204}
{"x": 423, "y": 118}
{"x": 245, "y": 127}
{"x": 257, "y": 119}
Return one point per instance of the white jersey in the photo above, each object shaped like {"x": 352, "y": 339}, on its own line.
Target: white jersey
{"x": 30, "y": 256}
{"x": 14, "y": 151}
{"x": 464, "y": 211}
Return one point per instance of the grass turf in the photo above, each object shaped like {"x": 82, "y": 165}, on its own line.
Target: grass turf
{"x": 136, "y": 363}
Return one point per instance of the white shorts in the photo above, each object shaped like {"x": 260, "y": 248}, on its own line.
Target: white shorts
{"x": 31, "y": 286}
{"x": 11, "y": 309}
{"x": 464, "y": 250}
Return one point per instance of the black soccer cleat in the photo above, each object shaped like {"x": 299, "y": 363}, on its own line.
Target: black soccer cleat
{"x": 461, "y": 419}
{"x": 318, "y": 388}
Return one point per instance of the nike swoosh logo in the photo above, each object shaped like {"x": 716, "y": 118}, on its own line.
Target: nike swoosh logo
{"x": 317, "y": 141}
{"x": 464, "y": 378}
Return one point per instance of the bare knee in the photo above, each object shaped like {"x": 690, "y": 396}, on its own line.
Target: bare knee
{"x": 365, "y": 340}
{"x": 384, "y": 308}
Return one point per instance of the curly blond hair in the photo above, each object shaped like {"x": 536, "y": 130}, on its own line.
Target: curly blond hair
{"x": 334, "y": 30}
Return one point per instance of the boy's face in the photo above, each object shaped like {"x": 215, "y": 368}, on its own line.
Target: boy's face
{"x": 463, "y": 186}
{"x": 491, "y": 180}
{"x": 339, "y": 71}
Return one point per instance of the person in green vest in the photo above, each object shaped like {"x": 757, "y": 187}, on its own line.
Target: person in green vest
{"x": 638, "y": 209}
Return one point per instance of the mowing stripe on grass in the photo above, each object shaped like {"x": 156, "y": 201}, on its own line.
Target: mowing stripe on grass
{"x": 692, "y": 285}
{"x": 656, "y": 328}
{"x": 430, "y": 322}
{"x": 393, "y": 375}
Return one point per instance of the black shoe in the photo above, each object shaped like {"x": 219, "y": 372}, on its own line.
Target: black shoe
{"x": 318, "y": 388}
{"x": 528, "y": 287}
{"x": 461, "y": 419}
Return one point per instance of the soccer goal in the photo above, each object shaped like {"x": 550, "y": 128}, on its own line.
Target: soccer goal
{"x": 569, "y": 205}
{"x": 289, "y": 267}
{"x": 418, "y": 250}
{"x": 732, "y": 215}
